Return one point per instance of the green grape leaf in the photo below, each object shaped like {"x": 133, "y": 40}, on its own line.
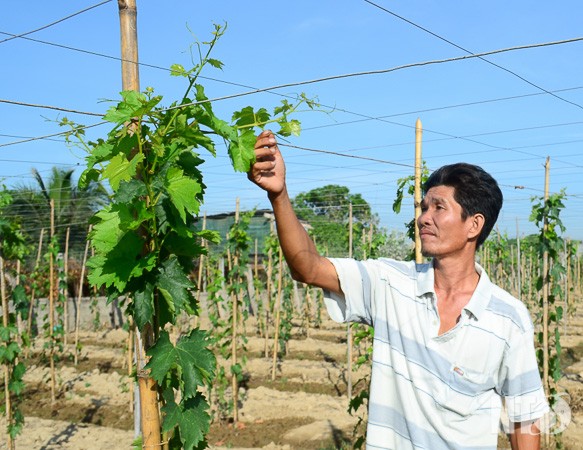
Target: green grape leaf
{"x": 283, "y": 109}
{"x": 175, "y": 287}
{"x": 134, "y": 105}
{"x": 16, "y": 386}
{"x": 177, "y": 70}
{"x": 130, "y": 190}
{"x": 194, "y": 362}
{"x": 210, "y": 235}
{"x": 182, "y": 191}
{"x": 287, "y": 128}
{"x": 103, "y": 151}
{"x": 20, "y": 301}
{"x": 215, "y": 63}
{"x": 247, "y": 117}
{"x": 191, "y": 418}
{"x": 120, "y": 169}
{"x": 122, "y": 263}
{"x": 183, "y": 246}
{"x": 107, "y": 231}
{"x": 144, "y": 304}
{"x": 87, "y": 177}
{"x": 242, "y": 151}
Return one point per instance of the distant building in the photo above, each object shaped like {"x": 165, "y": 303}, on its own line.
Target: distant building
{"x": 259, "y": 229}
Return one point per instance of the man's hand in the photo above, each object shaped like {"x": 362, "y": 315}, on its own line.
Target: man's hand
{"x": 268, "y": 171}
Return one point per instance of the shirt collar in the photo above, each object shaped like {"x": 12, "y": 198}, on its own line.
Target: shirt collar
{"x": 479, "y": 300}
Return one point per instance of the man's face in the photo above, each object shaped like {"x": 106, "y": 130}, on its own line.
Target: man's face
{"x": 442, "y": 230}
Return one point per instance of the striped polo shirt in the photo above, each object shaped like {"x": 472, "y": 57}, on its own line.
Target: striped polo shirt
{"x": 431, "y": 391}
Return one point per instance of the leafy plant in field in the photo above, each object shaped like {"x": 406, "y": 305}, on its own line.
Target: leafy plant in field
{"x": 497, "y": 259}
{"x": 12, "y": 246}
{"x": 546, "y": 215}
{"x": 407, "y": 185}
{"x": 238, "y": 245}
{"x": 287, "y": 312}
{"x": 146, "y": 239}
{"x": 363, "y": 335}
{"x": 221, "y": 337}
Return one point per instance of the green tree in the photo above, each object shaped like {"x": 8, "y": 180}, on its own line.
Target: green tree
{"x": 74, "y": 206}
{"x": 326, "y": 210}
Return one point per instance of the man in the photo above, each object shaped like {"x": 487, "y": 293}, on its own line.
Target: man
{"x": 449, "y": 345}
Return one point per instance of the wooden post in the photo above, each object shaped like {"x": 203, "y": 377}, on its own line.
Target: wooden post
{"x": 546, "y": 290}
{"x": 417, "y": 195}
{"x": 567, "y": 285}
{"x": 19, "y": 323}
{"x": 277, "y": 314}
{"x": 150, "y": 417}
{"x": 349, "y": 328}
{"x": 235, "y": 325}
{"x": 268, "y": 290}
{"x": 518, "y": 264}
{"x": 32, "y": 295}
{"x": 130, "y": 73}
{"x": 130, "y": 362}
{"x": 65, "y": 292}
{"x": 52, "y": 306}
{"x": 6, "y": 367}
{"x": 79, "y": 296}
{"x": 200, "y": 271}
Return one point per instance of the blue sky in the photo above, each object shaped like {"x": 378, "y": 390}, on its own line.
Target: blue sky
{"x": 471, "y": 110}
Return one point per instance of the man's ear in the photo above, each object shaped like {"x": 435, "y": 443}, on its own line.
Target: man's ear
{"x": 477, "y": 222}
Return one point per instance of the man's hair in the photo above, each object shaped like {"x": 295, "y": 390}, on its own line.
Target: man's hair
{"x": 474, "y": 189}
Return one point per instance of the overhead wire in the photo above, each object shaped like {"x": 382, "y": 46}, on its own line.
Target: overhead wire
{"x": 383, "y": 71}
{"x": 471, "y": 53}
{"x": 54, "y": 108}
{"x": 289, "y": 85}
{"x": 44, "y": 27}
{"x": 348, "y": 75}
{"x": 439, "y": 108}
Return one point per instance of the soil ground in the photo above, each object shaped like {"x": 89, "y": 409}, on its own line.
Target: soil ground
{"x": 304, "y": 408}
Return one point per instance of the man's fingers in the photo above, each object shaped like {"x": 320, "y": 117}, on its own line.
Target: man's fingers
{"x": 265, "y": 139}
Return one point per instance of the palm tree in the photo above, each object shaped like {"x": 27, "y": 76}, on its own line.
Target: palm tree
{"x": 73, "y": 207}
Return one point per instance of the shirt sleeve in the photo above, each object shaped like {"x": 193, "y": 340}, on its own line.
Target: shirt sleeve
{"x": 521, "y": 385}
{"x": 354, "y": 304}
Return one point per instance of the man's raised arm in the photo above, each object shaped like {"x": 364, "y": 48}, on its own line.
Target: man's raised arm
{"x": 304, "y": 261}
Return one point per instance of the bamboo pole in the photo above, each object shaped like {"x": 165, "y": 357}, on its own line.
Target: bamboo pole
{"x": 268, "y": 289}
{"x": 277, "y": 314}
{"x": 579, "y": 274}
{"x": 307, "y": 308}
{"x": 518, "y": 264}
{"x": 65, "y": 287}
{"x": 349, "y": 328}
{"x": 258, "y": 312}
{"x": 235, "y": 324}
{"x": 19, "y": 323}
{"x": 32, "y": 295}
{"x": 417, "y": 195}
{"x": 150, "y": 417}
{"x": 129, "y": 45}
{"x": 567, "y": 286}
{"x": 79, "y": 296}
{"x": 130, "y": 362}
{"x": 6, "y": 367}
{"x": 546, "y": 290}
{"x": 52, "y": 305}
{"x": 199, "y": 277}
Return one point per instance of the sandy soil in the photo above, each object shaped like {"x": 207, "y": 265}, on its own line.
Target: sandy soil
{"x": 304, "y": 408}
